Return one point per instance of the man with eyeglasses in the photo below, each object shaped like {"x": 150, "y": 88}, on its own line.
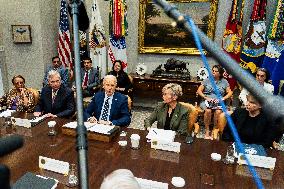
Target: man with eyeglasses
{"x": 262, "y": 76}
{"x": 57, "y": 66}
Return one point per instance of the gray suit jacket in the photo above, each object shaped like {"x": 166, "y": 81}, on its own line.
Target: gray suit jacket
{"x": 179, "y": 121}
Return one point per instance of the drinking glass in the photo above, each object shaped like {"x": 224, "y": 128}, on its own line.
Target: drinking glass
{"x": 230, "y": 156}
{"x": 72, "y": 176}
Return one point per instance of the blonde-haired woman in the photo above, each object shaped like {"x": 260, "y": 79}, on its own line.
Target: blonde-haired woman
{"x": 170, "y": 114}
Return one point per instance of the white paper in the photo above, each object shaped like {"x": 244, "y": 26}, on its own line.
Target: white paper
{"x": 258, "y": 161}
{"x": 23, "y": 122}
{"x": 73, "y": 125}
{"x": 100, "y": 128}
{"x": 164, "y": 145}
{"x": 7, "y": 113}
{"x": 161, "y": 135}
{"x": 150, "y": 184}
{"x": 53, "y": 165}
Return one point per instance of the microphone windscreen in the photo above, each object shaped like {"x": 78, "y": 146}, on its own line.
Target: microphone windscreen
{"x": 10, "y": 143}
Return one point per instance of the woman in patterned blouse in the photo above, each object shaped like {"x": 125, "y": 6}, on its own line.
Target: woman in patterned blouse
{"x": 19, "y": 98}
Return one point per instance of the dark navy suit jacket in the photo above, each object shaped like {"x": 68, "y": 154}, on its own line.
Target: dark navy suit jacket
{"x": 119, "y": 113}
{"x": 63, "y": 106}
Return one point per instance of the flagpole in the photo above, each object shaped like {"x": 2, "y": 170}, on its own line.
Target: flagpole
{"x": 82, "y": 146}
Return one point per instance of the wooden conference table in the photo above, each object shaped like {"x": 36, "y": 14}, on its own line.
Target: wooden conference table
{"x": 192, "y": 162}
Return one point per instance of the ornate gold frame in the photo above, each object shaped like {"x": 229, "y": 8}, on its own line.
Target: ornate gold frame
{"x": 160, "y": 49}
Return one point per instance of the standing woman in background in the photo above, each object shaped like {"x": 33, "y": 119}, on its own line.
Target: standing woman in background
{"x": 123, "y": 81}
{"x": 210, "y": 102}
{"x": 19, "y": 98}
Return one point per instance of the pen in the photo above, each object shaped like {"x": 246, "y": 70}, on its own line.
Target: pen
{"x": 155, "y": 132}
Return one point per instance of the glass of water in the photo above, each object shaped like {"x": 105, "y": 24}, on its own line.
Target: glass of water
{"x": 230, "y": 156}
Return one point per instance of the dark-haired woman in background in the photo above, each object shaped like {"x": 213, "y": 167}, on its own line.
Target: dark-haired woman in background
{"x": 210, "y": 102}
{"x": 252, "y": 125}
{"x": 19, "y": 98}
{"x": 123, "y": 81}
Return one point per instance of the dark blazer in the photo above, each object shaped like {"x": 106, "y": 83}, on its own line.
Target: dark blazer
{"x": 63, "y": 106}
{"x": 261, "y": 131}
{"x": 63, "y": 74}
{"x": 179, "y": 121}
{"x": 119, "y": 113}
{"x": 123, "y": 81}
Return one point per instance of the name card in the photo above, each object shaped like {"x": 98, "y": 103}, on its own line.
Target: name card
{"x": 164, "y": 155}
{"x": 258, "y": 161}
{"x": 151, "y": 184}
{"x": 53, "y": 165}
{"x": 23, "y": 122}
{"x": 166, "y": 145}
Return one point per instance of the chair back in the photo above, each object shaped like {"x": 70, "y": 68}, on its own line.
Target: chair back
{"x": 129, "y": 101}
{"x": 35, "y": 93}
{"x": 192, "y": 116}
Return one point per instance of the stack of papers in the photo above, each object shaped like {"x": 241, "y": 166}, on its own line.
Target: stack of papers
{"x": 161, "y": 135}
{"x": 93, "y": 127}
{"x": 7, "y": 113}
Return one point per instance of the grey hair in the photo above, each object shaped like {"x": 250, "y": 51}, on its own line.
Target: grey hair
{"x": 120, "y": 179}
{"x": 112, "y": 77}
{"x": 175, "y": 88}
{"x": 53, "y": 73}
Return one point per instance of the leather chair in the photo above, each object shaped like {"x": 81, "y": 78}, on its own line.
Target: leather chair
{"x": 192, "y": 117}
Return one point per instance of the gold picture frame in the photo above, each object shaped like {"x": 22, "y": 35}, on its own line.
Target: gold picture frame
{"x": 21, "y": 34}
{"x": 156, "y": 35}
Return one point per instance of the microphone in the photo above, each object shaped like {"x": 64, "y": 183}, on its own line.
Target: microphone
{"x": 10, "y": 143}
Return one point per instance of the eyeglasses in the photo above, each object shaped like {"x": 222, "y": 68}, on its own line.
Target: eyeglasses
{"x": 259, "y": 75}
{"x": 56, "y": 61}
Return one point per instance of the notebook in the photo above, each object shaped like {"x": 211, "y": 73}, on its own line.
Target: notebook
{"x": 32, "y": 181}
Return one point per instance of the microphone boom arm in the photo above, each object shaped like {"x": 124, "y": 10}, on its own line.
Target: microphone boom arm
{"x": 273, "y": 105}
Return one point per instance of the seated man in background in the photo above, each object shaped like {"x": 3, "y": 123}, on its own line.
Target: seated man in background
{"x": 57, "y": 66}
{"x": 55, "y": 100}
{"x": 120, "y": 179}
{"x": 19, "y": 98}
{"x": 170, "y": 115}
{"x": 89, "y": 77}
{"x": 262, "y": 76}
{"x": 108, "y": 107}
{"x": 253, "y": 126}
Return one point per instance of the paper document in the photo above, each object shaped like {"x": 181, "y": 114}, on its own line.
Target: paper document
{"x": 100, "y": 128}
{"x": 73, "y": 125}
{"x": 161, "y": 135}
{"x": 93, "y": 127}
{"x": 7, "y": 113}
{"x": 150, "y": 184}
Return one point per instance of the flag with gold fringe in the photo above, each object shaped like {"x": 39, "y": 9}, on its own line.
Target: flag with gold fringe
{"x": 118, "y": 30}
{"x": 274, "y": 55}
{"x": 232, "y": 37}
{"x": 97, "y": 40}
{"x": 254, "y": 42}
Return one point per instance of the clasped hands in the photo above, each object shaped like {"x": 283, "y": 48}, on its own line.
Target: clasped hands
{"x": 37, "y": 114}
{"x": 94, "y": 120}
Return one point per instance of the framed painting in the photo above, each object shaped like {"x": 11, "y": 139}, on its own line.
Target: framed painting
{"x": 21, "y": 33}
{"x": 157, "y": 35}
